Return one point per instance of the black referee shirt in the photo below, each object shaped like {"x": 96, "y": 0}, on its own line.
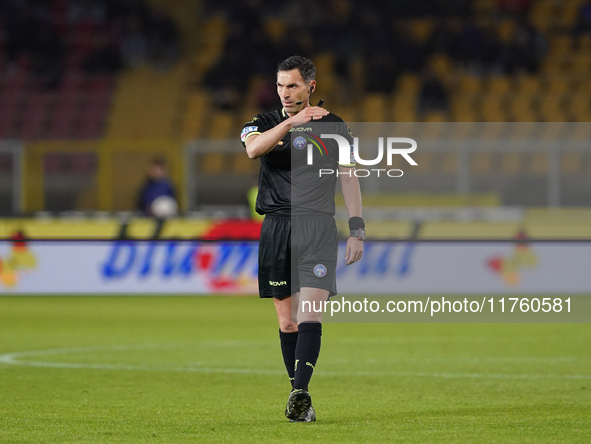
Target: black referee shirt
{"x": 287, "y": 184}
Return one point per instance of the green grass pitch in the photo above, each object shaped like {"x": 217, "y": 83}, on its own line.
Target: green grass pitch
{"x": 200, "y": 369}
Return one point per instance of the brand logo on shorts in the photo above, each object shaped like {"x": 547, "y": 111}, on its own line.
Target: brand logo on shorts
{"x": 299, "y": 143}
{"x": 320, "y": 270}
{"x": 277, "y": 283}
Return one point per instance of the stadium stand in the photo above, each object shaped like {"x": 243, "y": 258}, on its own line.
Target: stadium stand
{"x": 131, "y": 69}
{"x": 60, "y": 60}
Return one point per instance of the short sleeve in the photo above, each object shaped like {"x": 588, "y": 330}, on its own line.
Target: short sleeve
{"x": 254, "y": 126}
{"x": 346, "y": 132}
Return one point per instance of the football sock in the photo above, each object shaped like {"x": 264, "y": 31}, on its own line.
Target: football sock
{"x": 306, "y": 353}
{"x": 288, "y": 348}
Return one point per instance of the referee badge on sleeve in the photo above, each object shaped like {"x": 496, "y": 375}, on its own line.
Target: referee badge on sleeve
{"x": 245, "y": 131}
{"x": 320, "y": 270}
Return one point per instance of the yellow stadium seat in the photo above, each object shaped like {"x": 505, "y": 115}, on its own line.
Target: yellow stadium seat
{"x": 583, "y": 87}
{"x": 550, "y": 107}
{"x": 193, "y": 121}
{"x": 569, "y": 14}
{"x": 275, "y": 29}
{"x": 242, "y": 164}
{"x": 485, "y": 7}
{"x": 324, "y": 64}
{"x": 553, "y": 65}
{"x": 538, "y": 164}
{"x": 215, "y": 29}
{"x": 521, "y": 109}
{"x": 570, "y": 163}
{"x": 505, "y": 30}
{"x": 212, "y": 163}
{"x": 374, "y": 108}
{"x": 347, "y": 113}
{"x": 462, "y": 109}
{"x": 557, "y": 86}
{"x": 492, "y": 130}
{"x": 480, "y": 163}
{"x": 580, "y": 132}
{"x": 542, "y": 14}
{"x": 404, "y": 109}
{"x": 422, "y": 29}
{"x": 528, "y": 85}
{"x": 579, "y": 108}
{"x": 470, "y": 84}
{"x": 511, "y": 163}
{"x": 246, "y": 114}
{"x": 357, "y": 68}
{"x": 435, "y": 116}
{"x": 559, "y": 45}
{"x": 449, "y": 163}
{"x": 442, "y": 66}
{"x": 493, "y": 110}
{"x": 556, "y": 130}
{"x": 524, "y": 129}
{"x": 499, "y": 85}
{"x": 435, "y": 128}
{"x": 222, "y": 125}
{"x": 463, "y": 131}
{"x": 581, "y": 64}
{"x": 408, "y": 85}
{"x": 424, "y": 163}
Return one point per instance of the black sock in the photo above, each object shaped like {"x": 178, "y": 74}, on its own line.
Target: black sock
{"x": 306, "y": 354}
{"x": 288, "y": 348}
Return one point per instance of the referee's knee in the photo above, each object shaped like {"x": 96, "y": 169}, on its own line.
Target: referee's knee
{"x": 288, "y": 327}
{"x": 309, "y": 317}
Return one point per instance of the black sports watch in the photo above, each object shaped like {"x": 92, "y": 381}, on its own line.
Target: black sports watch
{"x": 359, "y": 234}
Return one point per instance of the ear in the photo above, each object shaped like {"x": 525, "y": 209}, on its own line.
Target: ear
{"x": 312, "y": 86}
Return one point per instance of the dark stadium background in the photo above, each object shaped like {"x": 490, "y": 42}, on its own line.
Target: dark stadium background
{"x": 90, "y": 91}
{"x": 496, "y": 92}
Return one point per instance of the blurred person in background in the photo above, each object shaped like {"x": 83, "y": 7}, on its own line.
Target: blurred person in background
{"x": 433, "y": 95}
{"x": 525, "y": 50}
{"x": 134, "y": 45}
{"x": 157, "y": 188}
{"x": 163, "y": 40}
{"x": 105, "y": 57}
{"x": 582, "y": 25}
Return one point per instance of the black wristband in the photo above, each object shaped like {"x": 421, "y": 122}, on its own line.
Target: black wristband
{"x": 355, "y": 223}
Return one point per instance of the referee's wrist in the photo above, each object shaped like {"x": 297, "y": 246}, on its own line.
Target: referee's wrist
{"x": 357, "y": 227}
{"x": 355, "y": 223}
{"x": 358, "y": 234}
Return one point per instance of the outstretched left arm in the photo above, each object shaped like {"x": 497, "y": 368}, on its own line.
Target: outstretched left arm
{"x": 352, "y": 196}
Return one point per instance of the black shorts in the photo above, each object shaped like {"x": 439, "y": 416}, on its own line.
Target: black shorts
{"x": 297, "y": 252}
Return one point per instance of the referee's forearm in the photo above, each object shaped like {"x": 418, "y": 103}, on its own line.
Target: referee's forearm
{"x": 352, "y": 195}
{"x": 261, "y": 144}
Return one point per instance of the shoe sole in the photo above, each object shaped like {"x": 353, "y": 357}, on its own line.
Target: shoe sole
{"x": 298, "y": 404}
{"x": 303, "y": 420}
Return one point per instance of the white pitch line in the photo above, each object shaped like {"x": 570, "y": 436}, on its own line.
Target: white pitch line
{"x": 16, "y": 359}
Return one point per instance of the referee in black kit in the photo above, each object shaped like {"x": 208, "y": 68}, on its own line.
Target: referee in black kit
{"x": 299, "y": 243}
